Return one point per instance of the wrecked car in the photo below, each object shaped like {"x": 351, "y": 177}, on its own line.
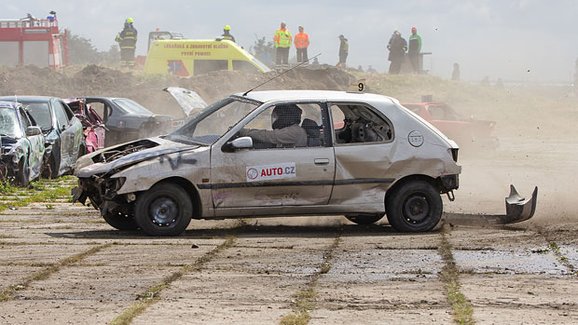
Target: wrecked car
{"x": 64, "y": 140}
{"x": 127, "y": 120}
{"x": 465, "y": 131}
{"x": 23, "y": 149}
{"x": 382, "y": 160}
{"x": 92, "y": 124}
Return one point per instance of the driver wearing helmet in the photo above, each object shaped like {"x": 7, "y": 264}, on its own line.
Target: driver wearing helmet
{"x": 286, "y": 132}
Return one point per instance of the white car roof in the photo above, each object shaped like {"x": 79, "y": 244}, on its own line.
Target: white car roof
{"x": 330, "y": 95}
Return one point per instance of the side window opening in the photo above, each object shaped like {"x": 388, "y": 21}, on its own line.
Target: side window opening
{"x": 311, "y": 121}
{"x": 60, "y": 113}
{"x": 355, "y": 123}
{"x": 205, "y": 66}
{"x": 68, "y": 111}
{"x": 24, "y": 118}
{"x": 99, "y": 108}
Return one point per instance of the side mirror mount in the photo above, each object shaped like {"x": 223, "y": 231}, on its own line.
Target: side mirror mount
{"x": 33, "y": 130}
{"x": 239, "y": 143}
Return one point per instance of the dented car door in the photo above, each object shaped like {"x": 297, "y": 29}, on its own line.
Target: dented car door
{"x": 363, "y": 140}
{"x": 272, "y": 177}
{"x": 265, "y": 177}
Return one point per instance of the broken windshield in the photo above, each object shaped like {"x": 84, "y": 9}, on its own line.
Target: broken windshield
{"x": 9, "y": 122}
{"x": 207, "y": 127}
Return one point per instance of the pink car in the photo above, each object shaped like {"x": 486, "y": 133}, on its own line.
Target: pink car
{"x": 464, "y": 131}
{"x": 92, "y": 124}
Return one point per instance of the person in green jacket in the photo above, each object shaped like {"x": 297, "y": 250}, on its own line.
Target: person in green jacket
{"x": 414, "y": 49}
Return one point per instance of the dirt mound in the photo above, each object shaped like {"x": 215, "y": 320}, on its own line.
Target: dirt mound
{"x": 102, "y": 81}
{"x": 32, "y": 80}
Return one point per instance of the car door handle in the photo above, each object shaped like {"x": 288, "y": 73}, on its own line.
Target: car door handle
{"x": 321, "y": 161}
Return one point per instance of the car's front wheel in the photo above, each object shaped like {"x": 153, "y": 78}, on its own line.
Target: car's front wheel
{"x": 50, "y": 169}
{"x": 120, "y": 221}
{"x": 23, "y": 176}
{"x": 164, "y": 210}
{"x": 415, "y": 206}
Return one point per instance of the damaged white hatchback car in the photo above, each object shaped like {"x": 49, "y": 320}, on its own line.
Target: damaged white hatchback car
{"x": 278, "y": 153}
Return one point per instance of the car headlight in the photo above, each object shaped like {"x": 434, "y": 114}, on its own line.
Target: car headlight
{"x": 111, "y": 186}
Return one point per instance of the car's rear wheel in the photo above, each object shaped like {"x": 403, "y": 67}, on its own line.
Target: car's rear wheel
{"x": 415, "y": 206}
{"x": 164, "y": 210}
{"x": 120, "y": 221}
{"x": 364, "y": 219}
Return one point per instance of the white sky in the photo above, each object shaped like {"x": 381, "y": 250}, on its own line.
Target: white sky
{"x": 516, "y": 40}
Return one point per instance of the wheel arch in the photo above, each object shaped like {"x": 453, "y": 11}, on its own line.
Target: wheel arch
{"x": 190, "y": 189}
{"x": 411, "y": 178}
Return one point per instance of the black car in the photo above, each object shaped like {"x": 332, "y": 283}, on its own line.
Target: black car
{"x": 127, "y": 120}
{"x": 23, "y": 149}
{"x": 62, "y": 130}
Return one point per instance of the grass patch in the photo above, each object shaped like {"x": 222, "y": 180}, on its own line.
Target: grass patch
{"x": 51, "y": 191}
{"x": 305, "y": 300}
{"x": 553, "y": 246}
{"x": 8, "y": 293}
{"x": 461, "y": 306}
{"x": 151, "y": 295}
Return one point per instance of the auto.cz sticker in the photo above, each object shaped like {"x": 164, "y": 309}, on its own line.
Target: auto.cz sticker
{"x": 269, "y": 172}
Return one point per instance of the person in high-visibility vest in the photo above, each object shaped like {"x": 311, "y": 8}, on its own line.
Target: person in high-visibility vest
{"x": 127, "y": 42}
{"x": 227, "y": 33}
{"x": 301, "y": 44}
{"x": 282, "y": 40}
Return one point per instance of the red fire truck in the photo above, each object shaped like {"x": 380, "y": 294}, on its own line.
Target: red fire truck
{"x": 33, "y": 41}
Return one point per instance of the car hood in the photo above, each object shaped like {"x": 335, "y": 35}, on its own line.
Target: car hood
{"x": 189, "y": 100}
{"x": 115, "y": 158}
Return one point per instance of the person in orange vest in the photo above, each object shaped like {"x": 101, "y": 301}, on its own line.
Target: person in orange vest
{"x": 282, "y": 40}
{"x": 301, "y": 44}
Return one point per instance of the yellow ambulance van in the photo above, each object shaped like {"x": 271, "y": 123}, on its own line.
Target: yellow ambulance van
{"x": 186, "y": 57}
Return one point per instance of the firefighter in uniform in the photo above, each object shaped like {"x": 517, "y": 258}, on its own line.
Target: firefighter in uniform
{"x": 127, "y": 42}
{"x": 282, "y": 40}
{"x": 227, "y": 33}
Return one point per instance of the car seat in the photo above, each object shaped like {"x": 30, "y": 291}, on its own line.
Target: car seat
{"x": 313, "y": 132}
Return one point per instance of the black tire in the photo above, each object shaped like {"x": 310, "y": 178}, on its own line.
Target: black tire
{"x": 120, "y": 221}
{"x": 164, "y": 210}
{"x": 23, "y": 176}
{"x": 364, "y": 219}
{"x": 415, "y": 206}
{"x": 50, "y": 170}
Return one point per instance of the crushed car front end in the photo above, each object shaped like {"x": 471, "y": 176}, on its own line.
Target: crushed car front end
{"x": 10, "y": 155}
{"x": 102, "y": 175}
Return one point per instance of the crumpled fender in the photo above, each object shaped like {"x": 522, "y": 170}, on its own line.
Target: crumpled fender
{"x": 129, "y": 160}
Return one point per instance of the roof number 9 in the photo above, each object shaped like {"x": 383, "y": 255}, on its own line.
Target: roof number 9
{"x": 360, "y": 86}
